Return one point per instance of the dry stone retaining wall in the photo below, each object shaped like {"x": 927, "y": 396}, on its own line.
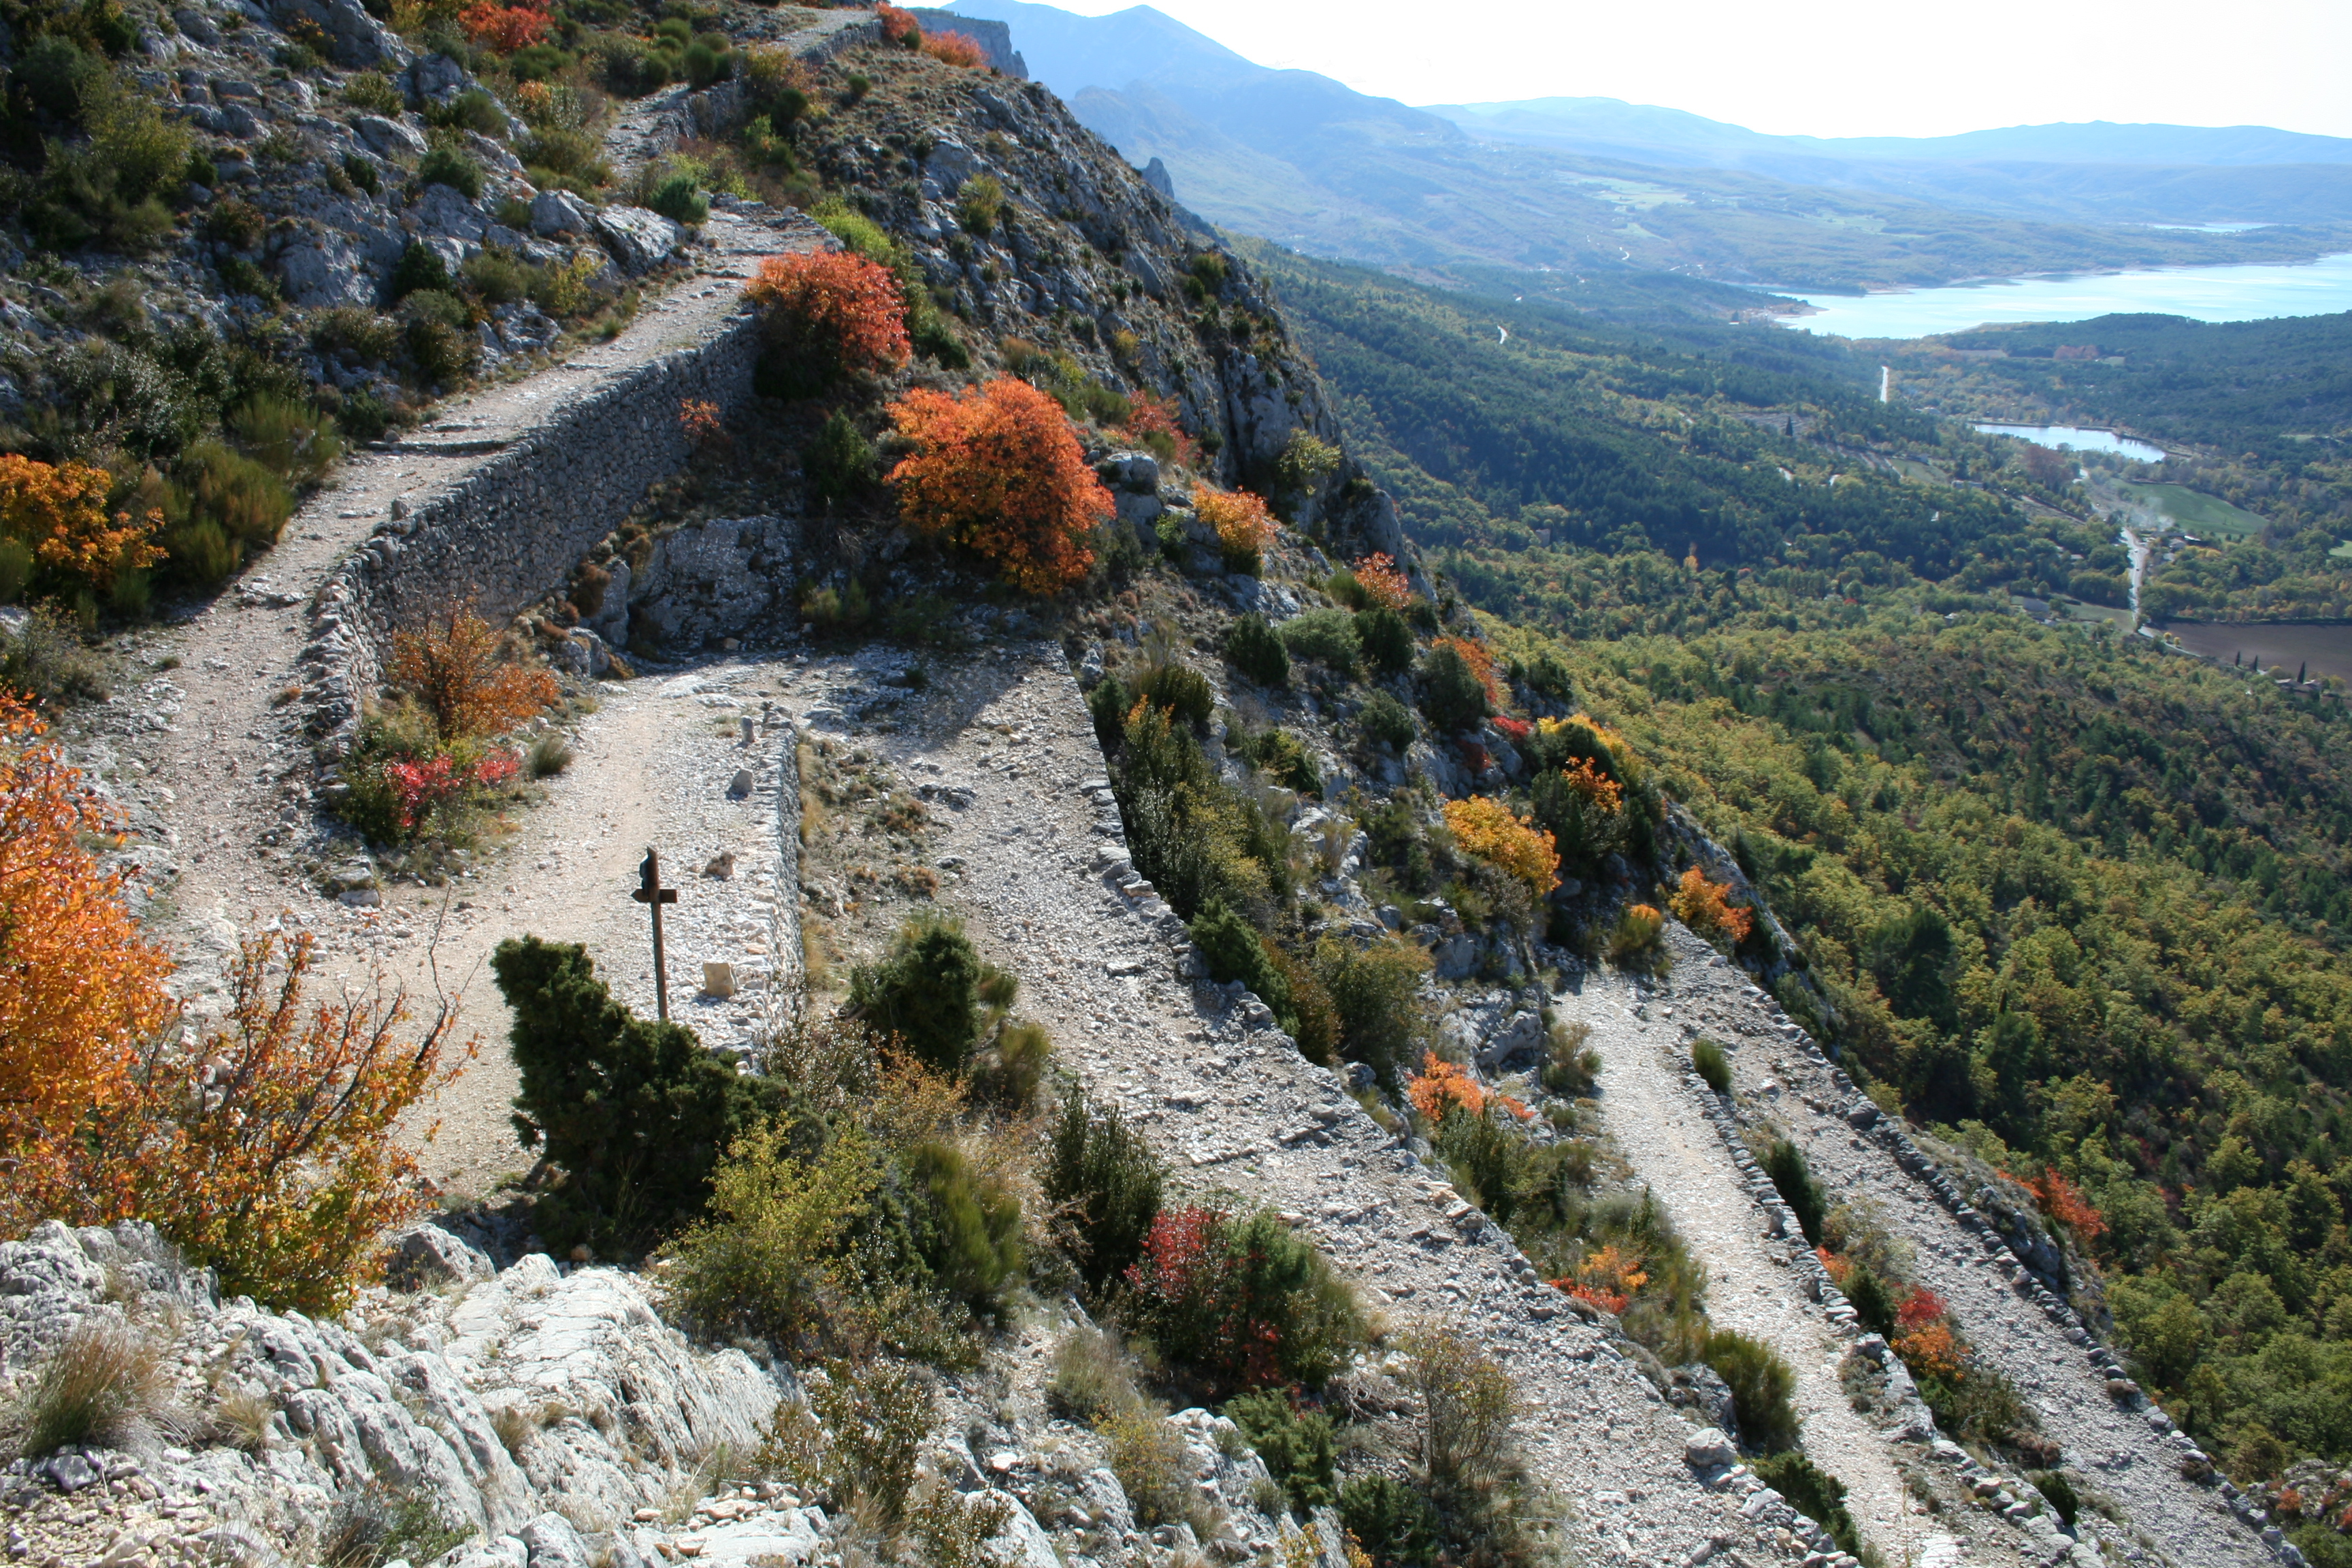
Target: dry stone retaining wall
{"x": 520, "y": 521}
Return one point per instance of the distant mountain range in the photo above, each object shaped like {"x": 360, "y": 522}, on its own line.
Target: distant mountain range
{"x": 1580, "y": 184}
{"x": 1611, "y": 128}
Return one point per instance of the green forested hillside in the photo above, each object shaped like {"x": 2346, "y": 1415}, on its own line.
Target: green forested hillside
{"x": 2078, "y": 900}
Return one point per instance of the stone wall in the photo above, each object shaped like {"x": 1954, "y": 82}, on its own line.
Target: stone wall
{"x": 516, "y": 525}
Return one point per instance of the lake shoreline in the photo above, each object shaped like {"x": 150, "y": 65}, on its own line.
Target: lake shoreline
{"x": 2233, "y": 291}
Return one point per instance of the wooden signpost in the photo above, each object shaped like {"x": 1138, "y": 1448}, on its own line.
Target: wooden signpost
{"x": 652, "y": 895}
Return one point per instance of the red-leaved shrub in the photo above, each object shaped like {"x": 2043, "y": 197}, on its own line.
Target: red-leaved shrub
{"x": 504, "y": 28}
{"x": 830, "y": 313}
{"x": 956, "y": 49}
{"x": 998, "y": 471}
{"x": 1241, "y": 1300}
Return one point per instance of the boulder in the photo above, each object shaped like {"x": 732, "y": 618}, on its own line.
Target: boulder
{"x": 443, "y": 210}
{"x": 389, "y": 139}
{"x": 708, "y": 579}
{"x": 1134, "y": 472}
{"x": 438, "y": 80}
{"x": 561, "y": 212}
{"x": 553, "y": 1542}
{"x": 356, "y": 40}
{"x": 425, "y": 1256}
{"x": 1520, "y": 1035}
{"x": 639, "y": 240}
{"x": 326, "y": 269}
{"x": 1708, "y": 1449}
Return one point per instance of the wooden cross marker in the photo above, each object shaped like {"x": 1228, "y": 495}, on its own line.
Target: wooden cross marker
{"x": 652, "y": 895}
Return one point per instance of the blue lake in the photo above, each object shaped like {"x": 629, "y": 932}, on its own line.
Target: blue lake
{"x": 2202, "y": 293}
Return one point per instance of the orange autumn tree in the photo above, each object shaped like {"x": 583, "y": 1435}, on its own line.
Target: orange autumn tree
{"x": 268, "y": 1148}
{"x": 2064, "y": 1201}
{"x": 998, "y": 471}
{"x": 273, "y": 1152}
{"x": 453, "y": 666}
{"x": 1607, "y": 1278}
{"x": 956, "y": 49}
{"x": 57, "y": 513}
{"x": 1442, "y": 1088}
{"x": 829, "y": 313}
{"x": 1382, "y": 584}
{"x": 505, "y": 29}
{"x": 1705, "y": 907}
{"x": 1152, "y": 423}
{"x": 1246, "y": 528}
{"x": 81, "y": 991}
{"x": 1486, "y": 828}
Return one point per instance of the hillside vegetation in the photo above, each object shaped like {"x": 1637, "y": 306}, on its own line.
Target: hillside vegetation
{"x": 2076, "y": 901}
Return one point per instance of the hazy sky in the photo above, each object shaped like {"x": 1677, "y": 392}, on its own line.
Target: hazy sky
{"x": 1826, "y": 67}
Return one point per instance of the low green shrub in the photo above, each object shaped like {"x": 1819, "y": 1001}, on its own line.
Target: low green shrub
{"x": 373, "y": 91}
{"x": 1327, "y": 637}
{"x": 633, "y": 1112}
{"x": 965, "y": 1226}
{"x": 46, "y": 658}
{"x": 1154, "y": 1469}
{"x": 840, "y": 463}
{"x": 472, "y": 109}
{"x": 1233, "y": 950}
{"x": 1761, "y": 1384}
{"x": 1814, "y": 1493}
{"x": 1008, "y": 1070}
{"x": 1785, "y": 1163}
{"x": 420, "y": 266}
{"x": 766, "y": 1261}
{"x": 447, "y": 166}
{"x": 1105, "y": 1185}
{"x": 680, "y": 197}
{"x": 1394, "y": 1523}
{"x": 1090, "y": 1379}
{"x": 289, "y": 435}
{"x": 1385, "y": 721}
{"x": 1179, "y": 687}
{"x": 1386, "y": 640}
{"x": 1376, "y": 990}
{"x": 925, "y": 991}
{"x": 244, "y": 495}
{"x": 1252, "y": 648}
{"x": 1570, "y": 1064}
{"x": 1467, "y": 1405}
{"x": 1280, "y": 755}
{"x": 1451, "y": 692}
{"x": 876, "y": 1416}
{"x": 1873, "y": 1307}
{"x": 1300, "y": 1447}
{"x": 1712, "y": 1066}
{"x": 496, "y": 276}
{"x": 2055, "y": 1489}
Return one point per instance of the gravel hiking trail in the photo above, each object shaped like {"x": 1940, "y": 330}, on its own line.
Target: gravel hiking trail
{"x": 1651, "y": 1115}
{"x": 1786, "y": 1079}
{"x": 203, "y": 751}
{"x": 1030, "y": 852}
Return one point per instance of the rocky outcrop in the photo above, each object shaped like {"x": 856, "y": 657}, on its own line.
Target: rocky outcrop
{"x": 529, "y": 1403}
{"x": 1090, "y": 260}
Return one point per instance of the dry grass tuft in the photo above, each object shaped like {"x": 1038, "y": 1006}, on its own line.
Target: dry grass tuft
{"x": 108, "y": 1383}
